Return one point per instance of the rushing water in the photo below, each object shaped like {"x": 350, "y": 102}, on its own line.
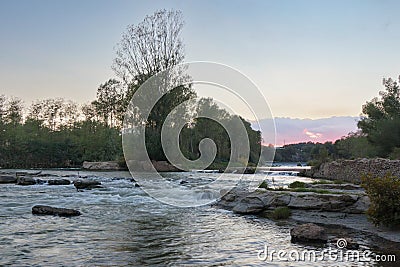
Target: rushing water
{"x": 121, "y": 226}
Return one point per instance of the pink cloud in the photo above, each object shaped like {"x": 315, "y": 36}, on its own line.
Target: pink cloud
{"x": 312, "y": 134}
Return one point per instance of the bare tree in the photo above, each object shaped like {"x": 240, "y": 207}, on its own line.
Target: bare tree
{"x": 151, "y": 46}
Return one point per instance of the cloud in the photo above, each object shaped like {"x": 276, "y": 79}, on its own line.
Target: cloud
{"x": 312, "y": 134}
{"x": 290, "y": 130}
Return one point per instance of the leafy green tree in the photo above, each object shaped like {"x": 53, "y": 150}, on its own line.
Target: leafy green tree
{"x": 381, "y": 119}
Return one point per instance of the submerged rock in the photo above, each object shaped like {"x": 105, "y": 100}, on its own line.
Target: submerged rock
{"x": 87, "y": 184}
{"x": 59, "y": 182}
{"x": 308, "y": 232}
{"x": 8, "y": 179}
{"x": 47, "y": 210}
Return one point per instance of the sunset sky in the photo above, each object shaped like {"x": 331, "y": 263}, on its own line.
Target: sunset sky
{"x": 311, "y": 59}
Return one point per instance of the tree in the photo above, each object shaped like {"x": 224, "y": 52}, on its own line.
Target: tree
{"x": 109, "y": 102}
{"x": 13, "y": 112}
{"x": 151, "y": 46}
{"x": 145, "y": 49}
{"x": 381, "y": 119}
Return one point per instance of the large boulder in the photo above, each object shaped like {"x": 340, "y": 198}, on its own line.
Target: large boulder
{"x": 87, "y": 184}
{"x": 308, "y": 232}
{"x": 8, "y": 179}
{"x": 47, "y": 210}
{"x": 59, "y": 182}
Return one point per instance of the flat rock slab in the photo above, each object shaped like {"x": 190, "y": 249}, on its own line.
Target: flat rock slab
{"x": 47, "y": 210}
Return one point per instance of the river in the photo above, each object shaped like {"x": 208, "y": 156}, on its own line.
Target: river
{"x": 121, "y": 225}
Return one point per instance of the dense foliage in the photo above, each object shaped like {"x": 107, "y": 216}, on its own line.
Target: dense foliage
{"x": 52, "y": 140}
{"x": 381, "y": 120}
{"x": 384, "y": 193}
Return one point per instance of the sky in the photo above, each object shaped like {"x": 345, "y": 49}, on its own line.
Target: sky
{"x": 311, "y": 59}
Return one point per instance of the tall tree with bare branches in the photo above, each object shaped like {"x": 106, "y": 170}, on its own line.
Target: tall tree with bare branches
{"x": 153, "y": 45}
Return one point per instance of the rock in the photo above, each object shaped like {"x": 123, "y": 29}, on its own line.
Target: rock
{"x": 335, "y": 186}
{"x": 183, "y": 182}
{"x": 164, "y": 166}
{"x": 27, "y": 173}
{"x": 47, "y": 210}
{"x": 26, "y": 181}
{"x": 249, "y": 205}
{"x": 8, "y": 179}
{"x": 46, "y": 175}
{"x": 59, "y": 182}
{"x": 145, "y": 166}
{"x": 323, "y": 202}
{"x": 106, "y": 165}
{"x": 352, "y": 170}
{"x": 86, "y": 184}
{"x": 361, "y": 205}
{"x": 308, "y": 232}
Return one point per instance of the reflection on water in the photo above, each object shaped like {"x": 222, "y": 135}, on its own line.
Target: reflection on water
{"x": 122, "y": 226}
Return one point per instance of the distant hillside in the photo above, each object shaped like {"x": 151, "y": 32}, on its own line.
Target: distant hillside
{"x": 289, "y": 131}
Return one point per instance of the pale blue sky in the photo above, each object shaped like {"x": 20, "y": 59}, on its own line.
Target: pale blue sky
{"x": 311, "y": 59}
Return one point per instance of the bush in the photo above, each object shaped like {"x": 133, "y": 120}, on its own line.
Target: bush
{"x": 264, "y": 184}
{"x": 384, "y": 193}
{"x": 395, "y": 153}
{"x": 281, "y": 213}
{"x": 297, "y": 184}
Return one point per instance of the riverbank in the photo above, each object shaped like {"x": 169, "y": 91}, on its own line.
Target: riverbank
{"x": 331, "y": 205}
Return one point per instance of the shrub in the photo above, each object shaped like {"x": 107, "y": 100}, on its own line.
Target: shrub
{"x": 395, "y": 154}
{"x": 297, "y": 184}
{"x": 384, "y": 193}
{"x": 264, "y": 184}
{"x": 281, "y": 213}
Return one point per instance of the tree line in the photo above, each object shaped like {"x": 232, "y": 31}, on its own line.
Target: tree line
{"x": 61, "y": 133}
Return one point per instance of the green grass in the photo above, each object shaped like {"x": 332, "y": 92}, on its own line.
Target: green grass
{"x": 280, "y": 213}
{"x": 297, "y": 184}
{"x": 264, "y": 184}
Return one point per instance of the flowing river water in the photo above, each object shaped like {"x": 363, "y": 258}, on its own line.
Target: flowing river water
{"x": 121, "y": 225}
